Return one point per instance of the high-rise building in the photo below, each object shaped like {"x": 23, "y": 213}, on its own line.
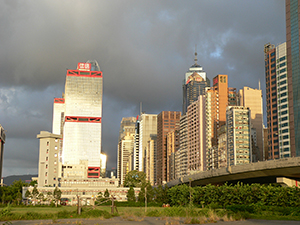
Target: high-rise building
{"x": 127, "y": 125}
{"x": 49, "y": 165}
{"x": 222, "y": 147}
{"x": 125, "y": 151}
{"x": 218, "y": 97}
{"x": 147, "y": 129}
{"x": 78, "y": 114}
{"x": 252, "y": 98}
{"x": 135, "y": 156}
{"x": 196, "y": 153}
{"x": 277, "y": 92}
{"x": 181, "y": 154}
{"x": 2, "y": 141}
{"x": 238, "y": 127}
{"x": 194, "y": 84}
{"x": 125, "y": 147}
{"x": 167, "y": 121}
{"x": 172, "y": 148}
{"x": 150, "y": 159}
{"x": 293, "y": 72}
{"x": 271, "y": 98}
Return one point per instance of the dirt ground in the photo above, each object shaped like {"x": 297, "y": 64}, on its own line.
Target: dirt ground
{"x": 142, "y": 221}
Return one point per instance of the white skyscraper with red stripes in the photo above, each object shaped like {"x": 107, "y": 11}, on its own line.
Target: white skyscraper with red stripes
{"x": 77, "y": 116}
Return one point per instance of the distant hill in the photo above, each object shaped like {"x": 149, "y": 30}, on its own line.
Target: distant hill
{"x": 10, "y": 179}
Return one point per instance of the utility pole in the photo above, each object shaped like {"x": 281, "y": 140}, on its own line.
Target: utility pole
{"x": 145, "y": 199}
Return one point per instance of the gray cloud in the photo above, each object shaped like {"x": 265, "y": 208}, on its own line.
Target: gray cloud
{"x": 143, "y": 48}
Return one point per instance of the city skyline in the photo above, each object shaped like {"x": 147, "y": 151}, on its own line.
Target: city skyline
{"x": 143, "y": 60}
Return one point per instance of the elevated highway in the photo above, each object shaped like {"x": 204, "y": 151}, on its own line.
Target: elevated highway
{"x": 259, "y": 172}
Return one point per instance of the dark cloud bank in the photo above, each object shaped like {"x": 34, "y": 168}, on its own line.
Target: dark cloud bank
{"x": 143, "y": 48}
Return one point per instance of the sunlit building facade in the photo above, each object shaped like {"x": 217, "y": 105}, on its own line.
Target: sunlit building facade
{"x": 252, "y": 98}
{"x": 196, "y": 145}
{"x": 293, "y": 73}
{"x": 194, "y": 84}
{"x": 77, "y": 117}
{"x": 238, "y": 129}
{"x": 167, "y": 121}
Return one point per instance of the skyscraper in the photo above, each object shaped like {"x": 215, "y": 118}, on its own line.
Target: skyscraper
{"x": 196, "y": 154}
{"x": 2, "y": 141}
{"x": 293, "y": 72}
{"x": 194, "y": 84}
{"x": 167, "y": 121}
{"x": 218, "y": 97}
{"x": 125, "y": 151}
{"x": 238, "y": 123}
{"x": 78, "y": 114}
{"x": 147, "y": 129}
{"x": 277, "y": 93}
{"x": 125, "y": 147}
{"x": 252, "y": 98}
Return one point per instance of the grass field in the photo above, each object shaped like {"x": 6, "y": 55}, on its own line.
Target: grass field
{"x": 135, "y": 213}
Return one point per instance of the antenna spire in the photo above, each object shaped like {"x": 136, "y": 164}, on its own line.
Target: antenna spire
{"x": 196, "y": 55}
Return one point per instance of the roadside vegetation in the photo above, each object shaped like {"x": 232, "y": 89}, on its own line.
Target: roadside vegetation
{"x": 179, "y": 204}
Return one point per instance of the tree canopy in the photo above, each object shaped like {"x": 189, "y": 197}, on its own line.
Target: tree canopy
{"x": 135, "y": 179}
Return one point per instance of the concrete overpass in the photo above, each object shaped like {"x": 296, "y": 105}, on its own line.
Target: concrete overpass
{"x": 259, "y": 172}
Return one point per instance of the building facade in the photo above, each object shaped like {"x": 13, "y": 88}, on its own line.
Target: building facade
{"x": 49, "y": 165}
{"x": 167, "y": 121}
{"x": 218, "y": 97}
{"x": 125, "y": 151}
{"x": 172, "y": 148}
{"x": 252, "y": 98}
{"x": 147, "y": 129}
{"x": 194, "y": 84}
{"x": 181, "y": 154}
{"x": 125, "y": 147}
{"x": 77, "y": 116}
{"x": 277, "y": 89}
{"x": 293, "y": 72}
{"x": 238, "y": 128}
{"x": 196, "y": 151}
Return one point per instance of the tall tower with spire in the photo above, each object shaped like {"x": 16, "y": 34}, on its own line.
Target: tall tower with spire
{"x": 194, "y": 84}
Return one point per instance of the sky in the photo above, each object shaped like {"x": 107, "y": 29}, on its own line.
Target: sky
{"x": 143, "y": 47}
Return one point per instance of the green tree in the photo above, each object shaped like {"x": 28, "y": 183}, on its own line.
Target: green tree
{"x": 149, "y": 192}
{"x": 135, "y": 179}
{"x": 41, "y": 197}
{"x": 33, "y": 183}
{"x": 131, "y": 195}
{"x": 18, "y": 198}
{"x": 160, "y": 194}
{"x": 49, "y": 197}
{"x": 106, "y": 194}
{"x": 56, "y": 195}
{"x": 34, "y": 194}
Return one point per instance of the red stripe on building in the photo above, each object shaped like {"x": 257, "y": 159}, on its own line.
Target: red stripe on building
{"x": 83, "y": 119}
{"x": 93, "y": 172}
{"x": 79, "y": 73}
{"x": 59, "y": 100}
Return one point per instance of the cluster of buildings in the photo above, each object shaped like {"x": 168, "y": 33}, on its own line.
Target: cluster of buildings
{"x": 220, "y": 126}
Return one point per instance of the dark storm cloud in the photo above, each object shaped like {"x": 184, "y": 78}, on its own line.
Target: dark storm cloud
{"x": 143, "y": 48}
